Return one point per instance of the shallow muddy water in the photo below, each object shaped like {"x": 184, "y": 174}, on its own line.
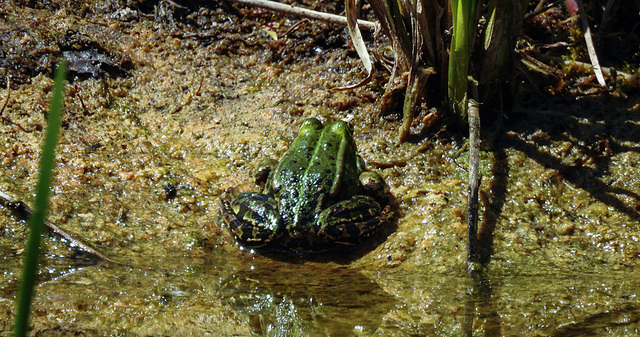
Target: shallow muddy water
{"x": 254, "y": 295}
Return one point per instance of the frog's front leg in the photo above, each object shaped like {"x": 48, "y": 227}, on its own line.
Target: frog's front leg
{"x": 253, "y": 218}
{"x": 350, "y": 221}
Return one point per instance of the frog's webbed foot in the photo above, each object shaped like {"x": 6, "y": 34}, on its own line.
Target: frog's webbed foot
{"x": 253, "y": 218}
{"x": 351, "y": 221}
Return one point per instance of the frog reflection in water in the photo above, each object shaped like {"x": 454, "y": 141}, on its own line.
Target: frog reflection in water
{"x": 317, "y": 197}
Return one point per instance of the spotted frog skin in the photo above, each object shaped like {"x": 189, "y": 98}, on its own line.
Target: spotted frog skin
{"x": 313, "y": 198}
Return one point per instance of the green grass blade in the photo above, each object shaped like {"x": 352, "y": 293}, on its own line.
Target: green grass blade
{"x": 47, "y": 161}
{"x": 463, "y": 13}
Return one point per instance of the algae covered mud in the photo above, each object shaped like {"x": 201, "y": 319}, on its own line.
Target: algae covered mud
{"x": 173, "y": 107}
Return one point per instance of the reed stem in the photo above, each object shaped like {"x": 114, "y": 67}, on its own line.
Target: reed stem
{"x": 36, "y": 222}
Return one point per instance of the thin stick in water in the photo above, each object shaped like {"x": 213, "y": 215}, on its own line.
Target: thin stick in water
{"x": 474, "y": 184}
{"x": 22, "y": 211}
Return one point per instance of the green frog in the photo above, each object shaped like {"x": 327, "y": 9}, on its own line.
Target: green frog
{"x": 314, "y": 198}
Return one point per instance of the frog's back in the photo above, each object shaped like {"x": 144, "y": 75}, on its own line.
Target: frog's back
{"x": 319, "y": 169}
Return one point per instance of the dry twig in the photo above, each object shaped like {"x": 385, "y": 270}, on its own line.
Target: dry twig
{"x": 303, "y": 12}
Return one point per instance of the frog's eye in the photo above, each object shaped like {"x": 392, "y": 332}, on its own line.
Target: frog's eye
{"x": 310, "y": 124}
{"x": 342, "y": 128}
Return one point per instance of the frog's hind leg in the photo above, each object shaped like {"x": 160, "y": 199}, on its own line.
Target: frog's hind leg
{"x": 350, "y": 221}
{"x": 253, "y": 218}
